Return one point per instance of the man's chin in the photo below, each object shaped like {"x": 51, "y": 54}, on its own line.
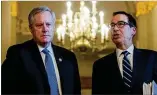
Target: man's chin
{"x": 117, "y": 41}
{"x": 44, "y": 42}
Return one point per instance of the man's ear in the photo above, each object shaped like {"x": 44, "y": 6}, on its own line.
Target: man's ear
{"x": 134, "y": 31}
{"x": 30, "y": 28}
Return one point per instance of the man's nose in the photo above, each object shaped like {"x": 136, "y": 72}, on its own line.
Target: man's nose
{"x": 45, "y": 28}
{"x": 115, "y": 27}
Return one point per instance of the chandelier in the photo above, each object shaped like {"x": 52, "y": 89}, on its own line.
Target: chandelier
{"x": 84, "y": 31}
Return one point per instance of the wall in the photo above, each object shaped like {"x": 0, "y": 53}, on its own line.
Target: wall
{"x": 147, "y": 30}
{"x": 6, "y": 29}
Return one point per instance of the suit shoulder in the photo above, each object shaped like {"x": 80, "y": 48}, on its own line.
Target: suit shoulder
{"x": 15, "y": 49}
{"x": 148, "y": 52}
{"x": 104, "y": 59}
{"x": 18, "y": 46}
{"x": 63, "y": 50}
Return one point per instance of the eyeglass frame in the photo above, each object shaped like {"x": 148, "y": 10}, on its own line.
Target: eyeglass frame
{"x": 112, "y": 25}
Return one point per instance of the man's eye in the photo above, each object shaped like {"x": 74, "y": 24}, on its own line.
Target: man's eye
{"x": 48, "y": 24}
{"x": 112, "y": 24}
{"x": 121, "y": 23}
{"x": 39, "y": 25}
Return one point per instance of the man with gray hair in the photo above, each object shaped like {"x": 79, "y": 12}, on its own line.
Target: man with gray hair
{"x": 37, "y": 66}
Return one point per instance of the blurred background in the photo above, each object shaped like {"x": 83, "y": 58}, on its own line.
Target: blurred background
{"x": 82, "y": 27}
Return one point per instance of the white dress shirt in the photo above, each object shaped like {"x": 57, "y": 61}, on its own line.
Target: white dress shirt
{"x": 120, "y": 57}
{"x": 54, "y": 63}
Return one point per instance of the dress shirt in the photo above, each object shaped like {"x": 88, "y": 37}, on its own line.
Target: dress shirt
{"x": 120, "y": 57}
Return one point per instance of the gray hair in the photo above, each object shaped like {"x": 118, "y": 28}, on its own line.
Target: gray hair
{"x": 39, "y": 10}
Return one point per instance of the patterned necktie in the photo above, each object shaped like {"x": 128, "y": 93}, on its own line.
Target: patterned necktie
{"x": 50, "y": 73}
{"x": 127, "y": 72}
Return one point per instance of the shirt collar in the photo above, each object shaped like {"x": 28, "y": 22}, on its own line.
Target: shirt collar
{"x": 130, "y": 50}
{"x": 41, "y": 48}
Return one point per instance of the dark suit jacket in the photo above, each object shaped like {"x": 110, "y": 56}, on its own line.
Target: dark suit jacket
{"x": 23, "y": 71}
{"x": 107, "y": 79}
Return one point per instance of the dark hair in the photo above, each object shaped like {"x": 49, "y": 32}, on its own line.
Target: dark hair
{"x": 131, "y": 19}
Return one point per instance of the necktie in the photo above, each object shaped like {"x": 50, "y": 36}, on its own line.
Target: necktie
{"x": 127, "y": 72}
{"x": 50, "y": 73}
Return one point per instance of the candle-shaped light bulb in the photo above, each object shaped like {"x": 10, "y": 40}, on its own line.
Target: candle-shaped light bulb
{"x": 104, "y": 31}
{"x": 70, "y": 15}
{"x": 94, "y": 7}
{"x": 59, "y": 33}
{"x": 93, "y": 2}
{"x": 63, "y": 34}
{"x": 81, "y": 6}
{"x": 69, "y": 5}
{"x": 82, "y": 3}
{"x": 64, "y": 20}
{"x": 101, "y": 14}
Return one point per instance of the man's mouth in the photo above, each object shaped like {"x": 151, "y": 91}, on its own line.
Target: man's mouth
{"x": 116, "y": 36}
{"x": 44, "y": 35}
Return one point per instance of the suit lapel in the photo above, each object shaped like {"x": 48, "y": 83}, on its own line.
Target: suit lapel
{"x": 119, "y": 79}
{"x": 57, "y": 55}
{"x": 34, "y": 66}
{"x": 65, "y": 68}
{"x": 139, "y": 65}
{"x": 37, "y": 58}
{"x": 116, "y": 65}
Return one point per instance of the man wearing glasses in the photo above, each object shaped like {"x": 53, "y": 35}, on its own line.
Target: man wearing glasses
{"x": 126, "y": 69}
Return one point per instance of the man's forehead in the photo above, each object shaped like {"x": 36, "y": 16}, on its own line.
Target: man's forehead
{"x": 43, "y": 17}
{"x": 119, "y": 17}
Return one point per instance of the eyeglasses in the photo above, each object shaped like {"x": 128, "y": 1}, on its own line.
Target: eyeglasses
{"x": 119, "y": 24}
